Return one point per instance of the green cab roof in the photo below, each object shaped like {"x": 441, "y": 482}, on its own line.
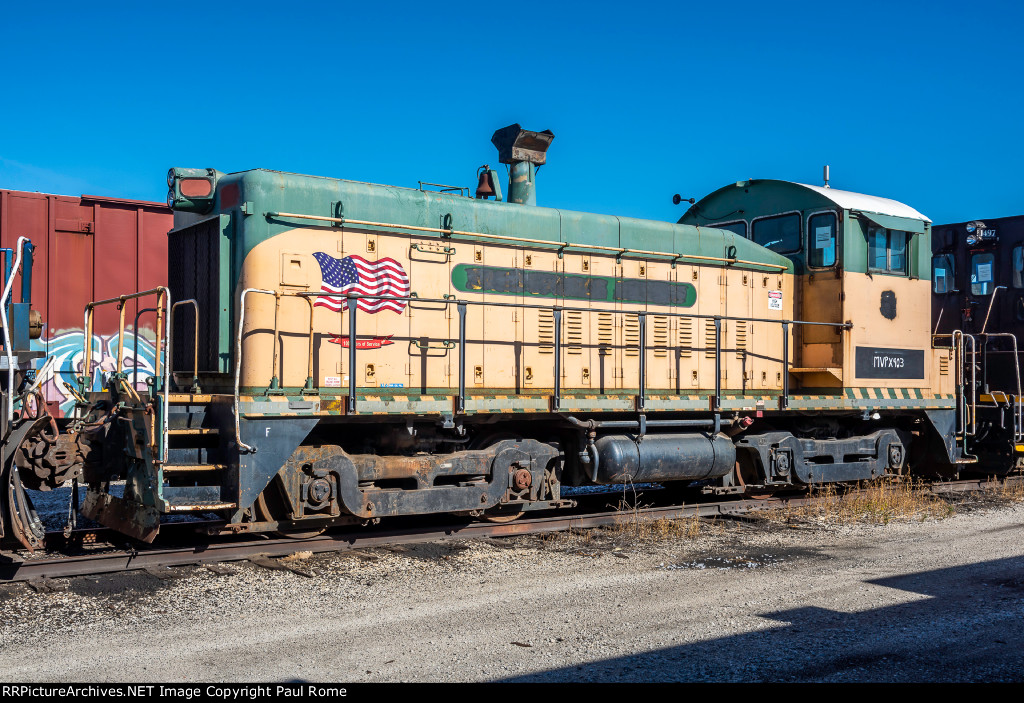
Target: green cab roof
{"x": 765, "y": 196}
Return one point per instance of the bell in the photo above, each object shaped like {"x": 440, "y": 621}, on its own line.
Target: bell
{"x": 485, "y": 187}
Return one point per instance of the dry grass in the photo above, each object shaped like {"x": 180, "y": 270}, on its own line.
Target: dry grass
{"x": 1010, "y": 491}
{"x": 637, "y": 527}
{"x": 634, "y": 524}
{"x": 879, "y": 502}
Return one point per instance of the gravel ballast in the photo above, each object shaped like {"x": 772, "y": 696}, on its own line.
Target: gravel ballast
{"x": 938, "y": 600}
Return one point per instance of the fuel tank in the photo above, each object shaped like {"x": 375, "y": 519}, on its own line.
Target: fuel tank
{"x": 664, "y": 457}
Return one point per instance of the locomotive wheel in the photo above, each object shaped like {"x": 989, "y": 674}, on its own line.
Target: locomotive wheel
{"x": 502, "y": 514}
{"x": 267, "y": 508}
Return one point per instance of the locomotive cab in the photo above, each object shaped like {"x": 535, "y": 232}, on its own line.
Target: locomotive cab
{"x": 857, "y": 258}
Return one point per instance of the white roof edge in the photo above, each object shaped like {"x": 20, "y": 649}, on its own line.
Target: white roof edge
{"x": 866, "y": 203}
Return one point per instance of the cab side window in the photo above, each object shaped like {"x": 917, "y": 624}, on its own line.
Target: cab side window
{"x": 821, "y": 236}
{"x": 1018, "y": 266}
{"x": 982, "y": 265}
{"x": 780, "y": 233}
{"x": 942, "y": 273}
{"x": 887, "y": 250}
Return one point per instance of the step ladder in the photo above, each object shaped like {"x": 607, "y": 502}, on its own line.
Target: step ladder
{"x": 195, "y": 466}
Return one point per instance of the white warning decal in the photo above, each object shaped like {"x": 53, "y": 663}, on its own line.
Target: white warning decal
{"x": 775, "y": 300}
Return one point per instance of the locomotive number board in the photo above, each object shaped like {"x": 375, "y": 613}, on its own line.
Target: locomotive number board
{"x": 875, "y": 362}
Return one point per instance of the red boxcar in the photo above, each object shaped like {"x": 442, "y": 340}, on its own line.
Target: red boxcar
{"x": 89, "y": 248}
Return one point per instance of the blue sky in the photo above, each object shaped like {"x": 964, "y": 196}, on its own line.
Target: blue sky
{"x": 917, "y": 101}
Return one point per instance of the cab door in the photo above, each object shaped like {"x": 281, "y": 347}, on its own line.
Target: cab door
{"x": 819, "y": 355}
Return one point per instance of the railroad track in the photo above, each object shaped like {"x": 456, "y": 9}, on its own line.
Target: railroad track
{"x": 103, "y": 557}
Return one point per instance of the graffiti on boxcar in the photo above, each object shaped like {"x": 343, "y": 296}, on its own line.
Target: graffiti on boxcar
{"x": 67, "y": 349}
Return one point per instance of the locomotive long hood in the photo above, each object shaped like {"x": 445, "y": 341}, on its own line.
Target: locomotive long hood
{"x": 263, "y": 198}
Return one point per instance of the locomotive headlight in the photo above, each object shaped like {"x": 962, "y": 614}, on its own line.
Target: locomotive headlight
{"x": 192, "y": 189}
{"x": 971, "y": 240}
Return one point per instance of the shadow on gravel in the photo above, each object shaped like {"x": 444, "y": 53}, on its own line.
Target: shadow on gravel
{"x": 968, "y": 628}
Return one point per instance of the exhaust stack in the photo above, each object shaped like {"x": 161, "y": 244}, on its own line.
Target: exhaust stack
{"x": 524, "y": 151}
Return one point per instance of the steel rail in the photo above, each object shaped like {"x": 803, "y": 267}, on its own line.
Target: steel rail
{"x": 345, "y": 540}
{"x": 16, "y": 569}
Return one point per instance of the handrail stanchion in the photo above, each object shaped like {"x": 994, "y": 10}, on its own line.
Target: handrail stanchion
{"x": 462, "y": 356}
{"x": 557, "y": 388}
{"x": 275, "y": 380}
{"x": 352, "y": 304}
{"x": 784, "y": 400}
{"x": 717, "y": 400}
{"x": 310, "y": 386}
{"x": 120, "y": 334}
{"x": 641, "y": 398}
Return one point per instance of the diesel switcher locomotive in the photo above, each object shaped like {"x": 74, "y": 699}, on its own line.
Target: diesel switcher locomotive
{"x": 340, "y": 352}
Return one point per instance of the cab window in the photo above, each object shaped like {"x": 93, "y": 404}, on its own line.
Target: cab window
{"x": 821, "y": 236}
{"x": 982, "y": 273}
{"x": 1018, "y": 266}
{"x": 780, "y": 233}
{"x": 887, "y": 250}
{"x": 739, "y": 228}
{"x": 942, "y": 273}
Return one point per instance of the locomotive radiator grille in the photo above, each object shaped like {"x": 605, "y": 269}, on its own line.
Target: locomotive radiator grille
{"x": 685, "y": 338}
{"x": 546, "y": 331}
{"x": 605, "y": 333}
{"x": 574, "y": 328}
{"x": 741, "y": 338}
{"x": 631, "y": 334}
{"x": 660, "y": 336}
{"x": 709, "y": 338}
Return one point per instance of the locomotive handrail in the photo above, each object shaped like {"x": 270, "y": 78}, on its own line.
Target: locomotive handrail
{"x": 170, "y": 341}
{"x": 568, "y": 308}
{"x": 8, "y": 352}
{"x": 556, "y": 314}
{"x": 462, "y": 306}
{"x": 959, "y": 344}
{"x": 619, "y": 251}
{"x": 242, "y": 446}
{"x": 1018, "y": 410}
{"x": 991, "y": 301}
{"x": 163, "y": 312}
{"x": 135, "y": 344}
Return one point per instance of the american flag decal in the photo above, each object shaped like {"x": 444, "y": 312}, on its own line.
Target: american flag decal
{"x": 354, "y": 274}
